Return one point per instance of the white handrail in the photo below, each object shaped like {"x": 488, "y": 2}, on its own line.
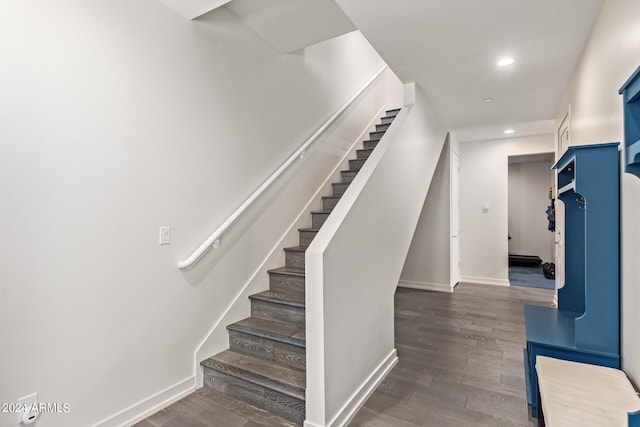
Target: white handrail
{"x": 213, "y": 241}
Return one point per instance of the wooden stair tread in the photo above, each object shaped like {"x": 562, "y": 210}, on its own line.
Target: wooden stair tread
{"x": 279, "y": 298}
{"x": 321, "y": 212}
{"x": 277, "y": 331}
{"x": 290, "y": 271}
{"x": 310, "y": 229}
{"x": 331, "y": 197}
{"x": 259, "y": 371}
{"x": 295, "y": 249}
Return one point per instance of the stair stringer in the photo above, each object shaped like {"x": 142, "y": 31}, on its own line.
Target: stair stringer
{"x": 217, "y": 339}
{"x": 354, "y": 264}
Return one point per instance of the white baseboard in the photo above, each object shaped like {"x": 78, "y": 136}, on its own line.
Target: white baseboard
{"x": 485, "y": 281}
{"x": 426, "y": 286}
{"x": 358, "y": 399}
{"x": 141, "y": 410}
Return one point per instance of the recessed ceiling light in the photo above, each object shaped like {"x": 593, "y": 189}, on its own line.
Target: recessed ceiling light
{"x": 505, "y": 61}
{"x": 509, "y": 131}
{"x": 488, "y": 100}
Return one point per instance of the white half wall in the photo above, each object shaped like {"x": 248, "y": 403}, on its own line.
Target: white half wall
{"x": 484, "y": 207}
{"x": 120, "y": 117}
{"x": 427, "y": 265}
{"x": 354, "y": 264}
{"x": 529, "y": 184}
{"x": 596, "y": 116}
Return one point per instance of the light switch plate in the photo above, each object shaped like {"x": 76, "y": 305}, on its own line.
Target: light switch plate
{"x": 165, "y": 235}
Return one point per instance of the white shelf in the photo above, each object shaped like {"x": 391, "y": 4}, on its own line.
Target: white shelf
{"x": 569, "y": 187}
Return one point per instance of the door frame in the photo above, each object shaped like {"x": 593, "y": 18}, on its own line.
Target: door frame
{"x": 564, "y": 126}
{"x": 454, "y": 217}
{"x": 565, "y": 123}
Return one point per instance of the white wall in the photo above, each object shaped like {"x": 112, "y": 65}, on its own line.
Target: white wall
{"x": 354, "y": 264}
{"x": 120, "y": 117}
{"x": 484, "y": 180}
{"x": 596, "y": 116}
{"x": 529, "y": 184}
{"x": 344, "y": 136}
{"x": 428, "y": 262}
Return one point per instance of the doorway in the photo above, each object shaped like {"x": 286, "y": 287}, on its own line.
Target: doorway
{"x": 455, "y": 219}
{"x": 531, "y": 231}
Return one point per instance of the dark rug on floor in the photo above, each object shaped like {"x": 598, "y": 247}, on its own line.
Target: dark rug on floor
{"x": 530, "y": 277}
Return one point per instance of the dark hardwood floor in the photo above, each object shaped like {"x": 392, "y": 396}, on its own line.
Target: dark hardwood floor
{"x": 207, "y": 408}
{"x": 461, "y": 361}
{"x": 461, "y": 364}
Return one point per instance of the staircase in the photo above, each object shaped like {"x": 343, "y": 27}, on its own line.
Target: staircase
{"x": 265, "y": 363}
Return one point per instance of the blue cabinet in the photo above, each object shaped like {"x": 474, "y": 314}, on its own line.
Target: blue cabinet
{"x": 630, "y": 92}
{"x": 585, "y": 326}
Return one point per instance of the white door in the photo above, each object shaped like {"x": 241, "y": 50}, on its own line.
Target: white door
{"x": 455, "y": 218}
{"x": 563, "y": 136}
{"x": 564, "y": 140}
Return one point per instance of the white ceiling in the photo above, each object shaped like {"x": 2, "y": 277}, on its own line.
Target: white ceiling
{"x": 482, "y": 133}
{"x": 450, "y": 49}
{"x": 290, "y": 25}
{"x": 191, "y": 9}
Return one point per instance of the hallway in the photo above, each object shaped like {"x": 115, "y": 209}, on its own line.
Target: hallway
{"x": 461, "y": 361}
{"x": 460, "y": 365}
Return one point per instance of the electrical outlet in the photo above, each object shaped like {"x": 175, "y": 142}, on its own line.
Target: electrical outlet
{"x": 165, "y": 235}
{"x": 29, "y": 406}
